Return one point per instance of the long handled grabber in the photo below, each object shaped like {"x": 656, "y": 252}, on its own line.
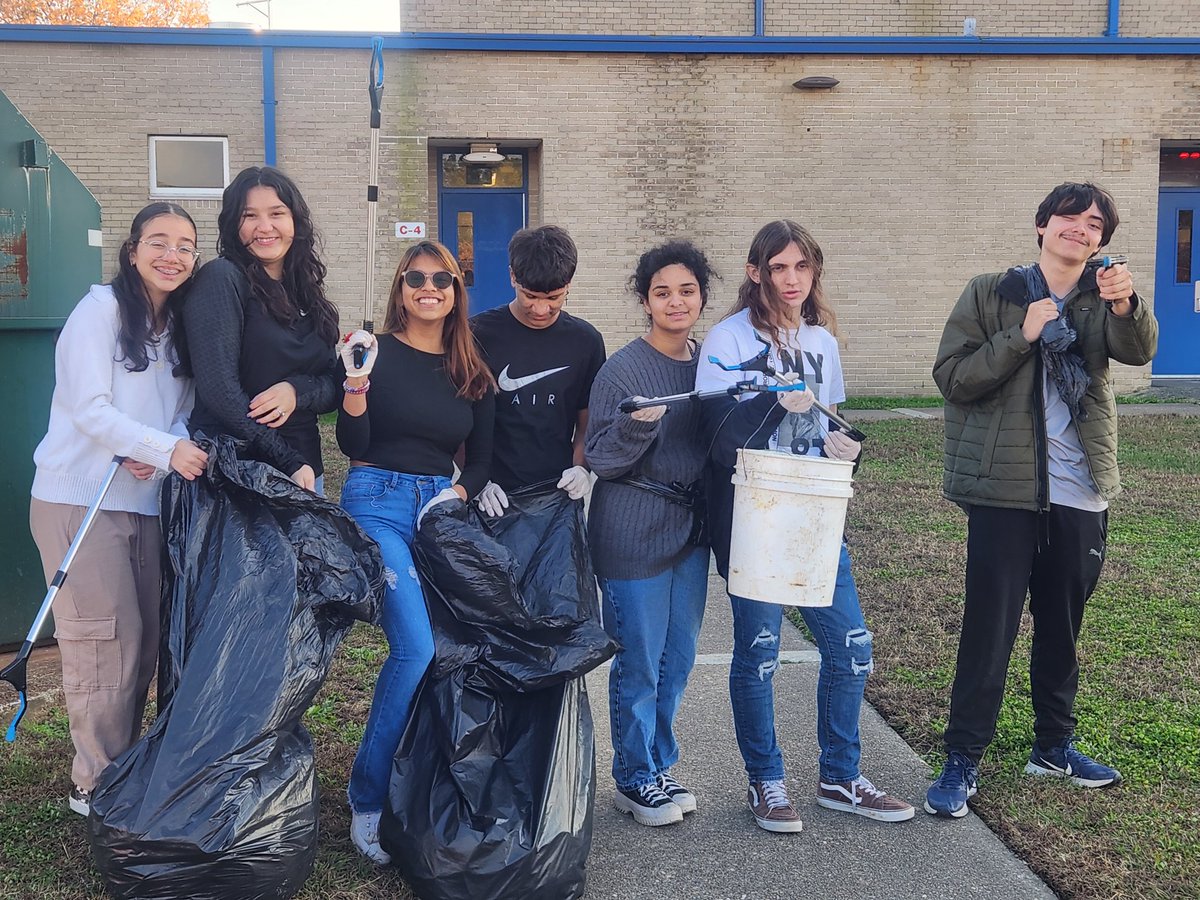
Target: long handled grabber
{"x": 14, "y": 672}
{"x": 759, "y": 363}
{"x": 375, "y": 88}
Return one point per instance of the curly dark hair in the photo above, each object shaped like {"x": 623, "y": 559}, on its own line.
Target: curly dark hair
{"x": 1072, "y": 198}
{"x": 678, "y": 252}
{"x": 302, "y": 288}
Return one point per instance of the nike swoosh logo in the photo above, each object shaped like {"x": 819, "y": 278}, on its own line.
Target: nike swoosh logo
{"x": 515, "y": 384}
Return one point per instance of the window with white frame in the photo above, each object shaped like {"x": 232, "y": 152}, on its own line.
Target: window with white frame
{"x": 188, "y": 165}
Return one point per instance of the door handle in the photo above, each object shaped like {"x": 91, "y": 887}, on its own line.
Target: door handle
{"x": 1196, "y": 297}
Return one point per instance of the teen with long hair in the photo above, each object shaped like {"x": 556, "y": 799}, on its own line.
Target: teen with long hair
{"x": 420, "y": 392}
{"x": 121, "y": 389}
{"x": 782, "y": 302}
{"x": 263, "y": 328}
{"x": 649, "y": 556}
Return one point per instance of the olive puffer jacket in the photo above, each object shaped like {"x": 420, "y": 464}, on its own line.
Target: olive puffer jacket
{"x": 991, "y": 377}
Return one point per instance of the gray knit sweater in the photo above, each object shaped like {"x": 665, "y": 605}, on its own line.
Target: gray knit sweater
{"x": 633, "y": 533}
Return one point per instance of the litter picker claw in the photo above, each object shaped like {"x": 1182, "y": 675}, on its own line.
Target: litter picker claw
{"x": 15, "y": 672}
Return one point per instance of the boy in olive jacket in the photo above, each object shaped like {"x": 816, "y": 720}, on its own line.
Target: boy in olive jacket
{"x": 1031, "y": 455}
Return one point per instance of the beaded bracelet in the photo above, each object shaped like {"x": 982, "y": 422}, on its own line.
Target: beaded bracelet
{"x": 362, "y": 389}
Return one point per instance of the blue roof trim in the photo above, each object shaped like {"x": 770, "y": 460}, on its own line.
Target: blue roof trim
{"x": 558, "y": 43}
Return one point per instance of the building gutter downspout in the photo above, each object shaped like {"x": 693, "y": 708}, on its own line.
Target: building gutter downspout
{"x": 1114, "y": 19}
{"x": 759, "y": 18}
{"x": 268, "y": 102}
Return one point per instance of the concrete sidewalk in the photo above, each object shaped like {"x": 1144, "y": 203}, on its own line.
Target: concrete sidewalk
{"x": 718, "y": 853}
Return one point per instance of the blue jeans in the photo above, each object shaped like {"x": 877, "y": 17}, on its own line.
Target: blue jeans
{"x": 385, "y": 505}
{"x": 656, "y": 621}
{"x": 845, "y": 645}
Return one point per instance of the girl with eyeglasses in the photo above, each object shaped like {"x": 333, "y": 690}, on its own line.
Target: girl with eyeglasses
{"x": 418, "y": 393}
{"x": 263, "y": 329}
{"x": 122, "y": 388}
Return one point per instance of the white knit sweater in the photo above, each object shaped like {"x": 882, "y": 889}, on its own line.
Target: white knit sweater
{"x": 100, "y": 409}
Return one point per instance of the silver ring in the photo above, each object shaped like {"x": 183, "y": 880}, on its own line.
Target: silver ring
{"x": 279, "y": 412}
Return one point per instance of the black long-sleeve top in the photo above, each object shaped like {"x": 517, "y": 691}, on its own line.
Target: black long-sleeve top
{"x": 238, "y": 349}
{"x": 415, "y": 421}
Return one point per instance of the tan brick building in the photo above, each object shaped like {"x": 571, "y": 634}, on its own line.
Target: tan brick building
{"x": 922, "y": 167}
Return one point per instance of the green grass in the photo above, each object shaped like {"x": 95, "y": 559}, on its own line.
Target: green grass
{"x": 1139, "y": 697}
{"x": 1138, "y": 707}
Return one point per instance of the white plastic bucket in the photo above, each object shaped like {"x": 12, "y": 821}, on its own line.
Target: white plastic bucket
{"x": 788, "y": 516}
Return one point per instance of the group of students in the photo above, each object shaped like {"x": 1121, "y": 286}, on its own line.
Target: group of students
{"x": 522, "y": 396}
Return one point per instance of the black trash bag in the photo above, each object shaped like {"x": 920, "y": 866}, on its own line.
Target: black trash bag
{"x": 261, "y": 582}
{"x": 493, "y": 785}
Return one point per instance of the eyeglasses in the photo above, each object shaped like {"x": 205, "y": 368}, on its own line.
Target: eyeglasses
{"x": 441, "y": 280}
{"x": 190, "y": 254}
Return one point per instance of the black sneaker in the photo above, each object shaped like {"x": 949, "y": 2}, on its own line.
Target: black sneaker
{"x": 648, "y": 805}
{"x": 80, "y": 800}
{"x": 680, "y": 796}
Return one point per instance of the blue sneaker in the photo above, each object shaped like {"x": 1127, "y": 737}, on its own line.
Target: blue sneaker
{"x": 949, "y": 794}
{"x": 1064, "y": 761}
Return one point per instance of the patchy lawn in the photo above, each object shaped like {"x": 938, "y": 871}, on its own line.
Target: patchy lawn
{"x": 1139, "y": 703}
{"x": 1139, "y": 697}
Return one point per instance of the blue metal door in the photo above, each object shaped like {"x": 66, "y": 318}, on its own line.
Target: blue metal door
{"x": 1177, "y": 284}
{"x": 477, "y": 222}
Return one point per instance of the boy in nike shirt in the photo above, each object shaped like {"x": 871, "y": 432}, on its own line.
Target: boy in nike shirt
{"x": 544, "y": 360}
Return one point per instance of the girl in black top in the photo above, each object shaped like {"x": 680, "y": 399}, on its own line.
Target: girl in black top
{"x": 429, "y": 393}
{"x": 263, "y": 330}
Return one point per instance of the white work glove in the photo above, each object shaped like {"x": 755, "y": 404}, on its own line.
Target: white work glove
{"x": 445, "y": 495}
{"x": 797, "y": 401}
{"x": 358, "y": 338}
{"x": 575, "y": 481}
{"x": 492, "y": 501}
{"x": 839, "y": 445}
{"x": 649, "y": 414}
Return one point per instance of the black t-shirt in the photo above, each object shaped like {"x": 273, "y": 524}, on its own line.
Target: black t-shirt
{"x": 238, "y": 349}
{"x": 545, "y": 378}
{"x": 415, "y": 421}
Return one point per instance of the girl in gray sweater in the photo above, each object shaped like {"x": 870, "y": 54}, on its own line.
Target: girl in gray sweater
{"x": 649, "y": 555}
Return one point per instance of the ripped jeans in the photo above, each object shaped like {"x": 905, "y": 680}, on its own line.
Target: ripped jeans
{"x": 385, "y": 506}
{"x": 845, "y": 644}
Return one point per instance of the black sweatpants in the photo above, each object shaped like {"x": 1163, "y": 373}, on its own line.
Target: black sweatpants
{"x": 1005, "y": 559}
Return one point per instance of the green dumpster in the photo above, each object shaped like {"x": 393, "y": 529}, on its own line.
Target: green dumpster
{"x": 49, "y": 256}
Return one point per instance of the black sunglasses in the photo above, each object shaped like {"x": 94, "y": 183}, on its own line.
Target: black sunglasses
{"x": 441, "y": 280}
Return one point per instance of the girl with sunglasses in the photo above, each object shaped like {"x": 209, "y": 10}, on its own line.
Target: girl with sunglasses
{"x": 121, "y": 388}
{"x": 419, "y": 392}
{"x": 263, "y": 352}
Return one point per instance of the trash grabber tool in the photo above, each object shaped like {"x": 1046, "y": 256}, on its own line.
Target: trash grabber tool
{"x": 14, "y": 672}
{"x": 761, "y": 362}
{"x": 375, "y": 88}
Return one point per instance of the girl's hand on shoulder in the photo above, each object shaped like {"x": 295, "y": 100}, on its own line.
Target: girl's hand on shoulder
{"x": 188, "y": 460}
{"x": 273, "y": 406}
{"x": 140, "y": 471}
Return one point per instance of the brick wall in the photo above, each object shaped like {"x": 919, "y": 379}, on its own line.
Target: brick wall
{"x": 1159, "y": 18}
{"x": 936, "y": 17}
{"x": 914, "y": 173}
{"x": 710, "y": 17}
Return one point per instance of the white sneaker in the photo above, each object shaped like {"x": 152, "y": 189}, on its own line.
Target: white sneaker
{"x": 364, "y": 834}
{"x": 80, "y": 800}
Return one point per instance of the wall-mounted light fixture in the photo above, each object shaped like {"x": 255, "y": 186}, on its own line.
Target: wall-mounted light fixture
{"x": 815, "y": 83}
{"x": 483, "y": 155}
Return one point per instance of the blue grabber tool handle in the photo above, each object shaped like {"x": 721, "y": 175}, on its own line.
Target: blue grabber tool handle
{"x": 742, "y": 387}
{"x": 15, "y": 672}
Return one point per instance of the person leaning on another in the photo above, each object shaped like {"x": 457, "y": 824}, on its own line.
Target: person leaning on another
{"x": 1031, "y": 455}
{"x": 121, "y": 387}
{"x": 264, "y": 330}
{"x": 544, "y": 360}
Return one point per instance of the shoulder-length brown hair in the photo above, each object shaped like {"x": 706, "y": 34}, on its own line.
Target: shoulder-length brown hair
{"x": 767, "y": 310}
{"x": 464, "y": 366}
